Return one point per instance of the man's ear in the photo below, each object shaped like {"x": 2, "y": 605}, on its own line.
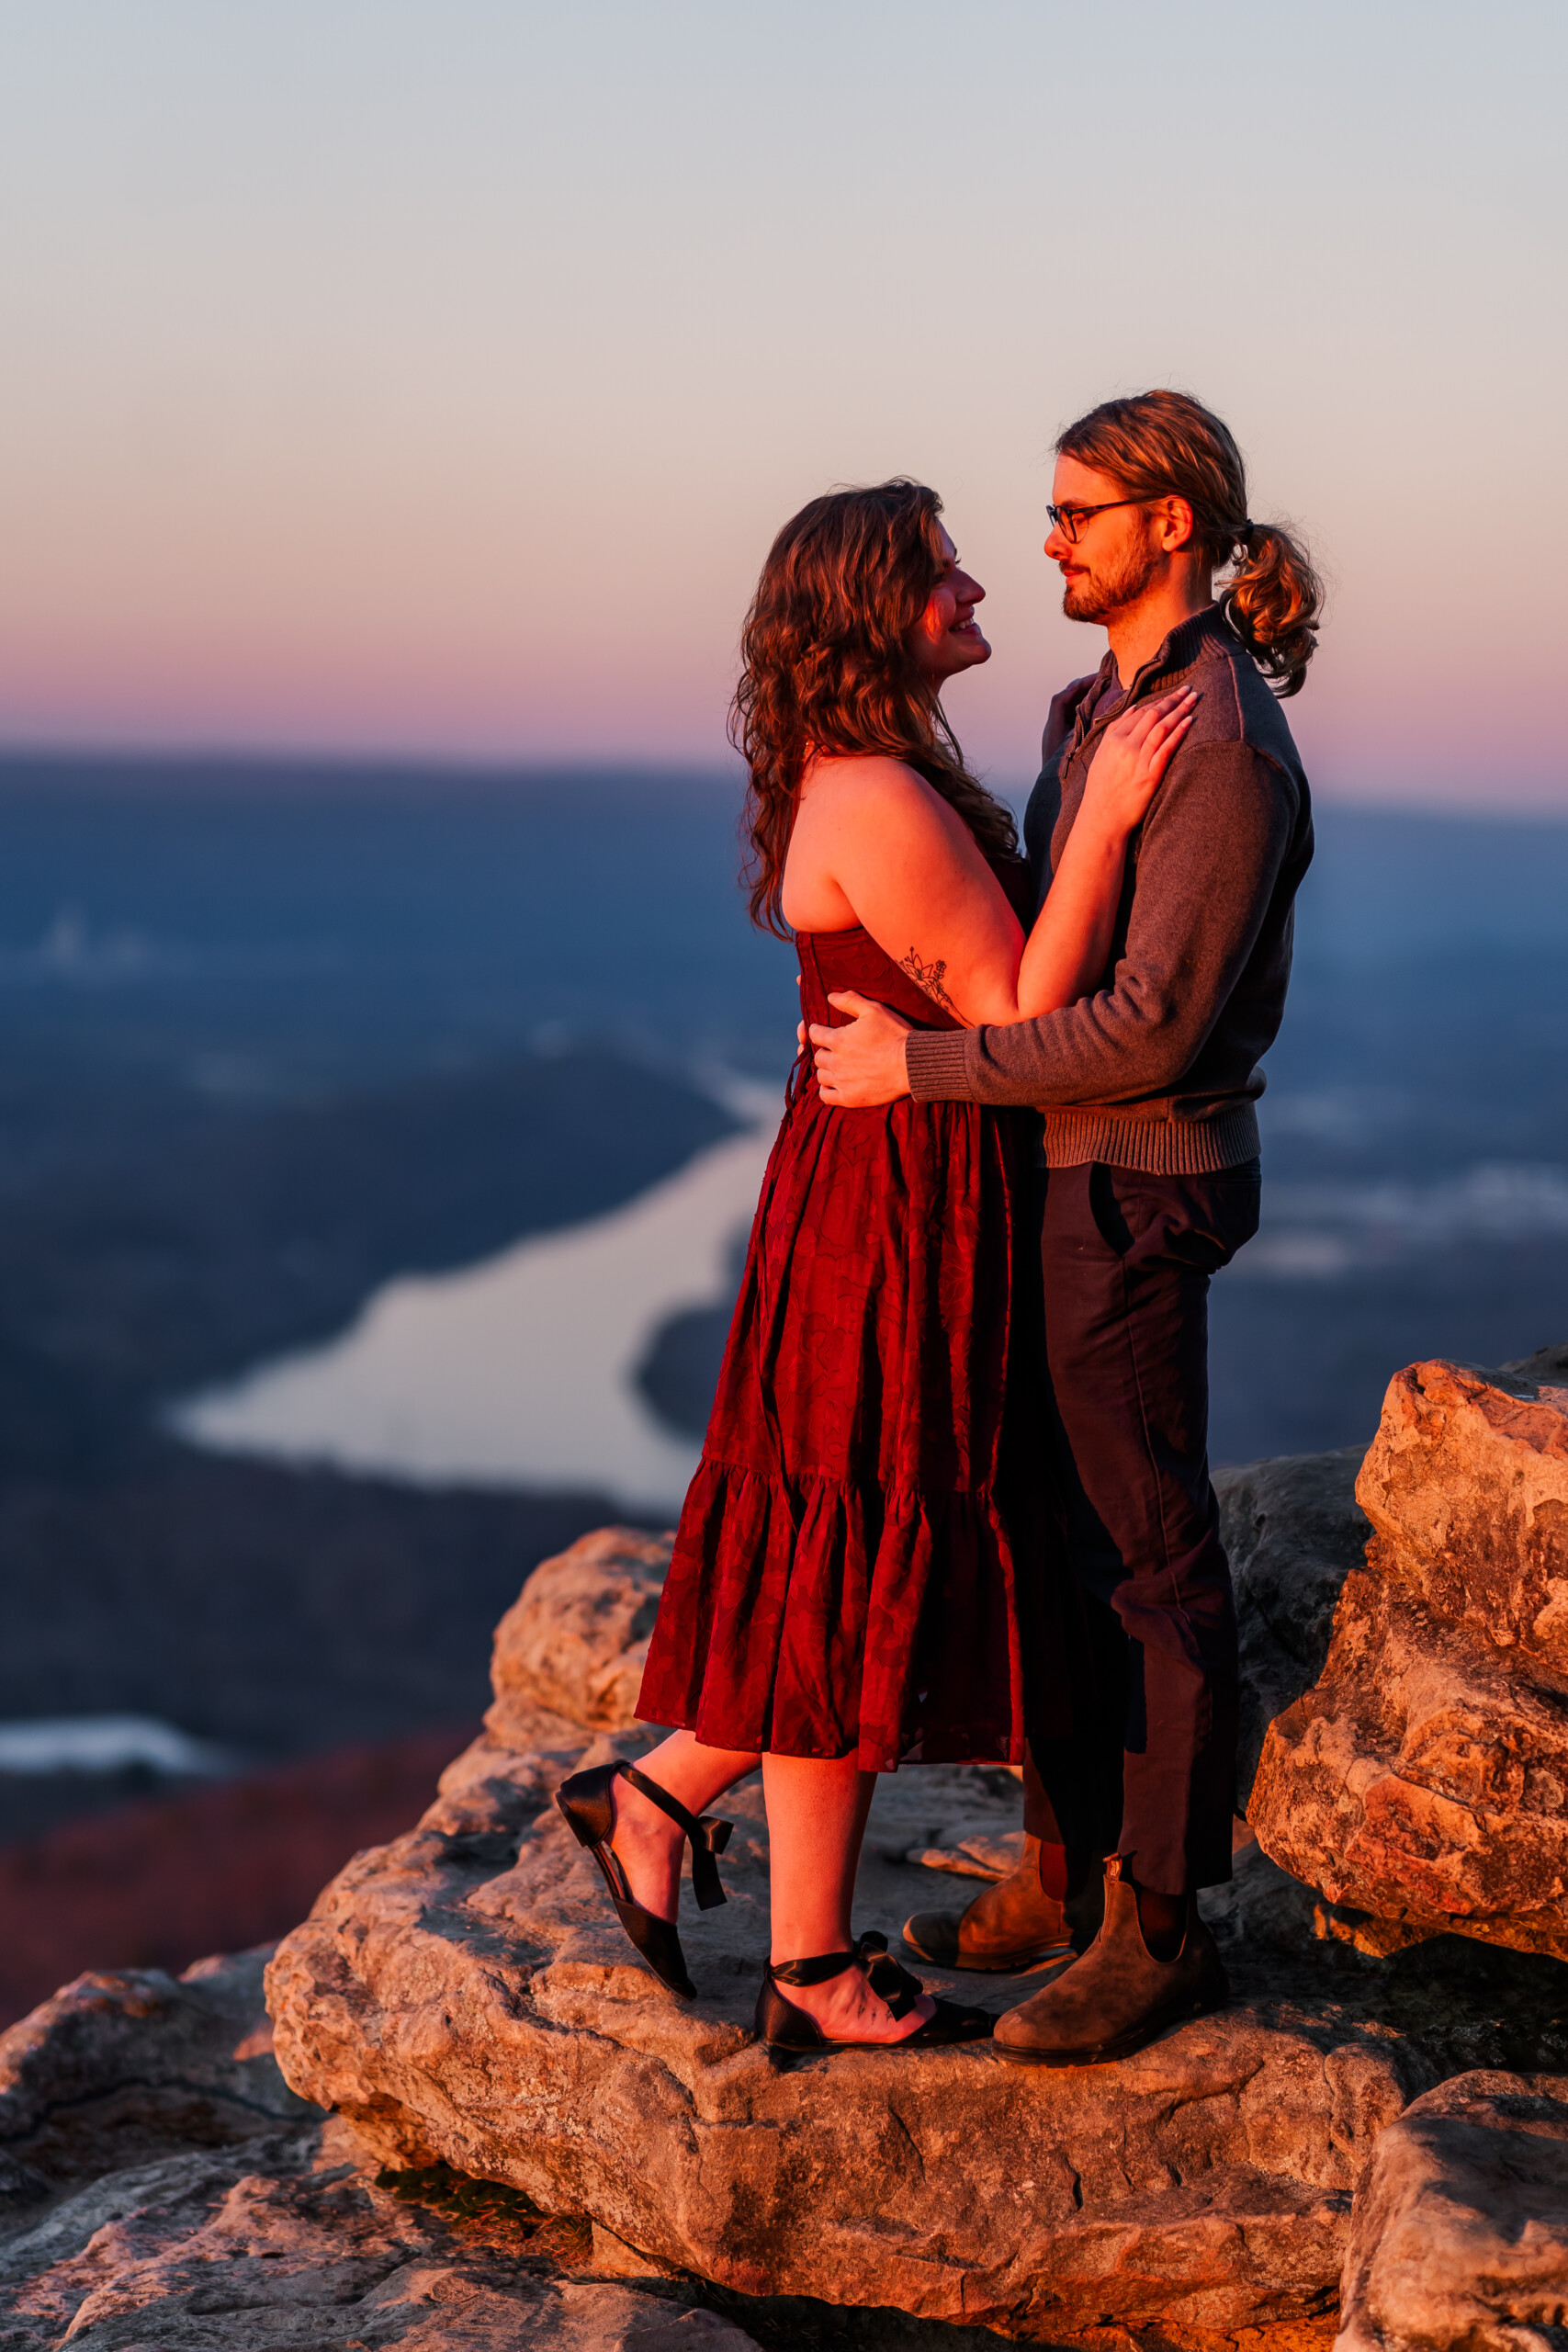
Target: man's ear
{"x": 1177, "y": 522}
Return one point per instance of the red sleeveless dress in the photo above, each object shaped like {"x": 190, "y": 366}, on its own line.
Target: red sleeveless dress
{"x": 846, "y": 1574}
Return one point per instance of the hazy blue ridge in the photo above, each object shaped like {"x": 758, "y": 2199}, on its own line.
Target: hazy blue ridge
{"x": 270, "y": 1036}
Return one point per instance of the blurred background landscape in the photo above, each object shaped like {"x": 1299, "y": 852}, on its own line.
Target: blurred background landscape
{"x": 276, "y": 1040}
{"x": 399, "y": 405}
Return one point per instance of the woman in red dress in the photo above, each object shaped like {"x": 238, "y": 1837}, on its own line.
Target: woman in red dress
{"x": 859, "y": 1539}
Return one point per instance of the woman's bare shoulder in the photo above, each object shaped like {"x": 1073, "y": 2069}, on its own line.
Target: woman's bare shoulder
{"x": 863, "y": 780}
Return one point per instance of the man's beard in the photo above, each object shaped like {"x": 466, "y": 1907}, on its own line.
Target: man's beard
{"x": 1099, "y": 594}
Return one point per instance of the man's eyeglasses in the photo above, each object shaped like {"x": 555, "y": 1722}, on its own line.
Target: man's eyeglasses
{"x": 1070, "y": 520}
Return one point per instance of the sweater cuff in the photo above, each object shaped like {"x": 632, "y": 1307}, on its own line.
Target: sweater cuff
{"x": 937, "y": 1065}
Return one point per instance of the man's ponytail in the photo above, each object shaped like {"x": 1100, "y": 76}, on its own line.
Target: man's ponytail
{"x": 1167, "y": 445}
{"x": 1272, "y": 601}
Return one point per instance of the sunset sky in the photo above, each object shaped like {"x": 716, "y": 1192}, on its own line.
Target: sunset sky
{"x": 384, "y": 377}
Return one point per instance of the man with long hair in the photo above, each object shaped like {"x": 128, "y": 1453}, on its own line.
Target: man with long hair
{"x": 1149, "y": 1132}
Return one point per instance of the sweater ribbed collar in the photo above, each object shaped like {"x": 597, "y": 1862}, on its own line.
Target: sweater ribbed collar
{"x": 1181, "y": 647}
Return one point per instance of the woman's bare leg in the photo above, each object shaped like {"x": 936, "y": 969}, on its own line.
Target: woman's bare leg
{"x": 817, "y": 1812}
{"x": 648, "y": 1844}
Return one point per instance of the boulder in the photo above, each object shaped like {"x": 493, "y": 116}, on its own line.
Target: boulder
{"x": 190, "y": 2200}
{"x": 574, "y": 1642}
{"x": 1423, "y": 1782}
{"x": 119, "y": 2064}
{"x": 1467, "y": 1482}
{"x": 465, "y": 1996}
{"x": 1459, "y": 2240}
{"x": 171, "y": 2192}
{"x": 300, "y": 2244}
{"x": 975, "y": 1848}
{"x": 1293, "y": 1532}
{"x": 1548, "y": 1364}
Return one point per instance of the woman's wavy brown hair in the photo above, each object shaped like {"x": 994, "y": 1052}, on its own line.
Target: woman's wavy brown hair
{"x": 829, "y": 666}
{"x": 1167, "y": 445}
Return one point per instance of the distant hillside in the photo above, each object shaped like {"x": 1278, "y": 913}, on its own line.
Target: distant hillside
{"x": 147, "y": 1249}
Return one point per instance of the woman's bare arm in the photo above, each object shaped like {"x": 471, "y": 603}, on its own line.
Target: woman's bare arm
{"x": 873, "y": 844}
{"x": 1065, "y": 953}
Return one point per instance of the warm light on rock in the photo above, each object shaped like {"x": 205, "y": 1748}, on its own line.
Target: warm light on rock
{"x": 465, "y": 1994}
{"x": 1424, "y": 1780}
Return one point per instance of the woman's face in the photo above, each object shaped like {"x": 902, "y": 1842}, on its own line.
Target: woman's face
{"x": 947, "y": 635}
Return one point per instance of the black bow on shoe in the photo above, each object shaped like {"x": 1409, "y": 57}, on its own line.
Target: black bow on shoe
{"x": 895, "y": 1984}
{"x": 587, "y": 1801}
{"x": 707, "y": 1836}
{"x": 784, "y": 2026}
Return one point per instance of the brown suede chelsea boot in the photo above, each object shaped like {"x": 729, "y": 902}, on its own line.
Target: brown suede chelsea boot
{"x": 1117, "y": 1997}
{"x": 1011, "y": 1924}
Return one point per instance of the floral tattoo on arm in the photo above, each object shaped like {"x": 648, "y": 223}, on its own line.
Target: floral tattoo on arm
{"x": 930, "y": 976}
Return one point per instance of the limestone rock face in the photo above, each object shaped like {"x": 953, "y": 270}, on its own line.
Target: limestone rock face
{"x": 1424, "y": 1780}
{"x": 1548, "y": 1364}
{"x": 575, "y": 1641}
{"x": 159, "y": 2187}
{"x": 1460, "y": 2230}
{"x": 1293, "y": 1532}
{"x": 114, "y": 2066}
{"x": 466, "y": 1995}
{"x": 492, "y": 2016}
{"x": 296, "y": 2244}
{"x": 1468, "y": 1478}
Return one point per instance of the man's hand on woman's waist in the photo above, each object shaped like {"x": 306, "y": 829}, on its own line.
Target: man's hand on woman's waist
{"x": 860, "y": 1065}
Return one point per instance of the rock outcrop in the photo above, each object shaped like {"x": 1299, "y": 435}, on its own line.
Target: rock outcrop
{"x": 1460, "y": 2242}
{"x": 459, "y": 2005}
{"x": 1293, "y": 1532}
{"x": 465, "y": 1995}
{"x": 161, "y": 2186}
{"x": 537, "y": 2146}
{"x": 120, "y": 2065}
{"x": 574, "y": 1642}
{"x": 1423, "y": 1782}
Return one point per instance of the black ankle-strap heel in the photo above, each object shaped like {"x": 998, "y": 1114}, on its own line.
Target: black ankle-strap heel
{"x": 782, "y": 2026}
{"x": 587, "y": 1801}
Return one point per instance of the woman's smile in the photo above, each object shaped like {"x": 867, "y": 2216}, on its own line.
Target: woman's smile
{"x": 949, "y": 637}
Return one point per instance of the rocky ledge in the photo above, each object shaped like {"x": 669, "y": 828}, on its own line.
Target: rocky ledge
{"x": 464, "y": 1996}
{"x": 461, "y": 1996}
{"x": 530, "y": 2143}
{"x": 1462, "y": 2223}
{"x": 163, "y": 2191}
{"x": 1422, "y": 1783}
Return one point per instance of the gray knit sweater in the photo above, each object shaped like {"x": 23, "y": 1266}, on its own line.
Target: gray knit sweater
{"x": 1159, "y": 1070}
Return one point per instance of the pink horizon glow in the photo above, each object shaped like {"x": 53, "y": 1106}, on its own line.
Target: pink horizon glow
{"x": 391, "y": 384}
